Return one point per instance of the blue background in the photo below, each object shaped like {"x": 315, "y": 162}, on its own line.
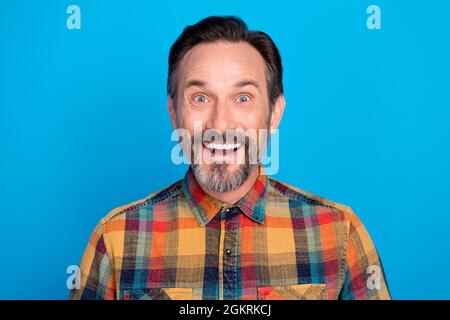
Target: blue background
{"x": 84, "y": 126}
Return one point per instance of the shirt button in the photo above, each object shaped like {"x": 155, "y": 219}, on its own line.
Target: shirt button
{"x": 228, "y": 252}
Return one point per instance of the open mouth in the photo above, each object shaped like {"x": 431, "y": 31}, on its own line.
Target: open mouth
{"x": 219, "y": 148}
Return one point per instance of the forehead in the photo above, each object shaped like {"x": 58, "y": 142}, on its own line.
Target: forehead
{"x": 224, "y": 62}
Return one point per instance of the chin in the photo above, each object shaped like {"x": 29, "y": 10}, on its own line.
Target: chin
{"x": 222, "y": 167}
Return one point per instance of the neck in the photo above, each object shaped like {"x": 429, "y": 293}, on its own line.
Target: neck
{"x": 234, "y": 196}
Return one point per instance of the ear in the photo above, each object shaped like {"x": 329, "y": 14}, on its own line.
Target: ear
{"x": 277, "y": 113}
{"x": 172, "y": 112}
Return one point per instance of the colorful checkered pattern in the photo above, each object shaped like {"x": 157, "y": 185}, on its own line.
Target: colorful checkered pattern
{"x": 278, "y": 242}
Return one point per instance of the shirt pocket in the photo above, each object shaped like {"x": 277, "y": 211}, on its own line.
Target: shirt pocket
{"x": 157, "y": 294}
{"x": 307, "y": 291}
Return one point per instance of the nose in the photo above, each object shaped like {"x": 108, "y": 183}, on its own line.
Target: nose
{"x": 221, "y": 118}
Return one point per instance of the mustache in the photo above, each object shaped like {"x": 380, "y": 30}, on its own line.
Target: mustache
{"x": 216, "y": 136}
{"x": 251, "y": 142}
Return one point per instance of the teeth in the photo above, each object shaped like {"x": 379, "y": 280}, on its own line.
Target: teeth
{"x": 228, "y": 146}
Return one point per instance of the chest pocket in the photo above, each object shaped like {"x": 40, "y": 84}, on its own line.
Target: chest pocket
{"x": 313, "y": 291}
{"x": 157, "y": 294}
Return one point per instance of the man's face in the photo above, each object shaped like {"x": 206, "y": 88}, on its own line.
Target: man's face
{"x": 222, "y": 88}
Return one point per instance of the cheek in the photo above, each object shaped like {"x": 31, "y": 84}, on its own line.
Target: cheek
{"x": 254, "y": 118}
{"x": 192, "y": 112}
{"x": 193, "y": 121}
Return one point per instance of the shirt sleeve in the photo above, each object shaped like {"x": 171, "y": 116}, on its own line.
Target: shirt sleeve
{"x": 96, "y": 276}
{"x": 364, "y": 277}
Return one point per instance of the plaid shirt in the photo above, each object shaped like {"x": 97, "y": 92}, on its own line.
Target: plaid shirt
{"x": 278, "y": 242}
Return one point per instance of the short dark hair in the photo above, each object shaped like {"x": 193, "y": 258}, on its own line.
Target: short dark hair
{"x": 232, "y": 29}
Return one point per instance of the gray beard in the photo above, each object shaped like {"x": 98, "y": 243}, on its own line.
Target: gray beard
{"x": 218, "y": 179}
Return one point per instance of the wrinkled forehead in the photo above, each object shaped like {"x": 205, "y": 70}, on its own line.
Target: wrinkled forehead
{"x": 221, "y": 64}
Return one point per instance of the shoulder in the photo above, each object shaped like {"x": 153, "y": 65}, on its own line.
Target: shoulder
{"x": 172, "y": 192}
{"x": 322, "y": 205}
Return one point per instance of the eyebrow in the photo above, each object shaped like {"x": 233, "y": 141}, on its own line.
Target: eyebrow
{"x": 239, "y": 84}
{"x": 195, "y": 83}
{"x": 244, "y": 83}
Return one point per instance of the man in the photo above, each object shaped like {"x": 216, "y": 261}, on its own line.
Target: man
{"x": 228, "y": 231}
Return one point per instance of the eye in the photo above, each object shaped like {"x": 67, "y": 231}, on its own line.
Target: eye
{"x": 244, "y": 98}
{"x": 200, "y": 98}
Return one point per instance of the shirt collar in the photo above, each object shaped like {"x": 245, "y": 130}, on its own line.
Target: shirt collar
{"x": 206, "y": 207}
